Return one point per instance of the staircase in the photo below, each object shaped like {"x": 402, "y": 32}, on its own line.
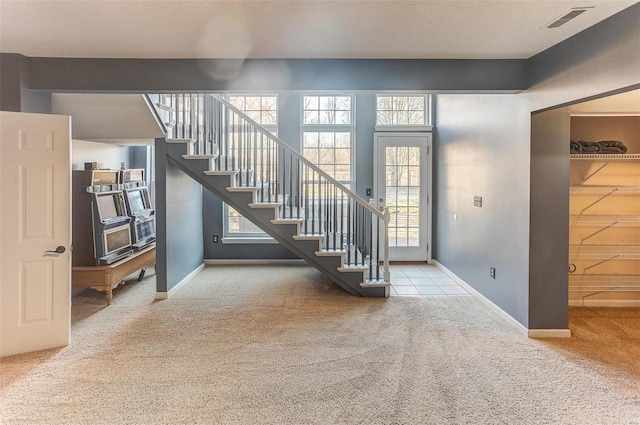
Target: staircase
{"x": 281, "y": 192}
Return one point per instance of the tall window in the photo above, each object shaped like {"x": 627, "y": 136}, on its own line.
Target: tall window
{"x": 328, "y": 134}
{"x": 403, "y": 110}
{"x": 263, "y": 109}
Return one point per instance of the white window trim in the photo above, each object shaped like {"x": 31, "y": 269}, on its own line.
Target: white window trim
{"x": 427, "y": 127}
{"x": 405, "y": 128}
{"x": 332, "y": 128}
{"x": 254, "y": 240}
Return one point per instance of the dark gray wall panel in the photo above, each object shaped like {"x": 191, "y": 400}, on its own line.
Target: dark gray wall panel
{"x": 549, "y": 236}
{"x": 363, "y": 158}
{"x": 14, "y": 93}
{"x": 482, "y": 147}
{"x": 140, "y": 75}
{"x": 178, "y": 222}
{"x": 184, "y": 225}
{"x": 10, "y": 83}
{"x": 161, "y": 215}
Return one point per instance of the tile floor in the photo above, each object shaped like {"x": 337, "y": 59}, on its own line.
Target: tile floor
{"x": 422, "y": 280}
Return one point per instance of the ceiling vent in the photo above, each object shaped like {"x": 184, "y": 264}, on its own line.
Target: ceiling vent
{"x": 576, "y": 11}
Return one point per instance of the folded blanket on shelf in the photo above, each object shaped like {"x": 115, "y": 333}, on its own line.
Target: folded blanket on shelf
{"x": 590, "y": 147}
{"x": 575, "y": 147}
{"x": 612, "y": 147}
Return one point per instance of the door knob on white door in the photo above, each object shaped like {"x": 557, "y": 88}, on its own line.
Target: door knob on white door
{"x": 58, "y": 250}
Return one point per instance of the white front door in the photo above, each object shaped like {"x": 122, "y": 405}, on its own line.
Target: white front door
{"x": 402, "y": 174}
{"x": 35, "y": 198}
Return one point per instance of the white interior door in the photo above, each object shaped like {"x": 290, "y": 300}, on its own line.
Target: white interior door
{"x": 402, "y": 173}
{"x": 35, "y": 195}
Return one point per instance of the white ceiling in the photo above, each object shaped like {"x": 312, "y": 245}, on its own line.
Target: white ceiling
{"x": 108, "y": 118}
{"x": 425, "y": 29}
{"x": 627, "y": 103}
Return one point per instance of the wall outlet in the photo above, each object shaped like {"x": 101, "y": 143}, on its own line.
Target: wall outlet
{"x": 492, "y": 272}
{"x": 215, "y": 239}
{"x": 477, "y": 201}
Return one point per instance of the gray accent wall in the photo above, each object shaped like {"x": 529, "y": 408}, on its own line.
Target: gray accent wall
{"x": 15, "y": 93}
{"x": 482, "y": 149}
{"x": 549, "y": 234}
{"x": 178, "y": 223}
{"x": 152, "y": 75}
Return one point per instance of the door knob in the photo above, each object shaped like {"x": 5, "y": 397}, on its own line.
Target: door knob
{"x": 59, "y": 250}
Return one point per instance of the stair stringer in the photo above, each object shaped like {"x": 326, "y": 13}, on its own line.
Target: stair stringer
{"x": 350, "y": 281}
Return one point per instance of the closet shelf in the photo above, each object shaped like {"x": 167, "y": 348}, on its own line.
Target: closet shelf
{"x": 604, "y": 190}
{"x": 604, "y": 220}
{"x": 596, "y": 283}
{"x": 595, "y": 252}
{"x": 622, "y": 157}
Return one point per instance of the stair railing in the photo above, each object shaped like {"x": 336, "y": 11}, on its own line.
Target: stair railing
{"x": 303, "y": 190}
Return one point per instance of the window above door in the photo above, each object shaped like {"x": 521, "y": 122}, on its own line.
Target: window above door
{"x": 403, "y": 112}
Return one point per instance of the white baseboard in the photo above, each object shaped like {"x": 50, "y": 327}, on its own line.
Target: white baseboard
{"x": 531, "y": 333}
{"x": 187, "y": 278}
{"x": 604, "y": 303}
{"x": 251, "y": 262}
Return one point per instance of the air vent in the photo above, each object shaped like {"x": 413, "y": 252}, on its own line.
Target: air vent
{"x": 576, "y": 11}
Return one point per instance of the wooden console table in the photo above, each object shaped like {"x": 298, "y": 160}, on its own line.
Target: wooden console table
{"x": 106, "y": 278}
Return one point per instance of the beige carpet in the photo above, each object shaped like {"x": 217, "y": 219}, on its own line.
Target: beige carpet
{"x": 282, "y": 345}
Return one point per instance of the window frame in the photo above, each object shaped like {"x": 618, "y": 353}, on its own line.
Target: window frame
{"x": 332, "y": 128}
{"x": 428, "y": 114}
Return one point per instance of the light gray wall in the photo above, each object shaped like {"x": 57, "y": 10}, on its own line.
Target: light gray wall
{"x": 110, "y": 155}
{"x": 482, "y": 149}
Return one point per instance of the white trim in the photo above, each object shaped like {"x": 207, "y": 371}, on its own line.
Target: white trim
{"x": 252, "y": 262}
{"x": 249, "y": 240}
{"x": 604, "y": 303}
{"x": 187, "y": 278}
{"x": 424, "y": 251}
{"x": 409, "y": 128}
{"x": 531, "y": 333}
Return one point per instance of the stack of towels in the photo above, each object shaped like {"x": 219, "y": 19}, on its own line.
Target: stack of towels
{"x": 603, "y": 147}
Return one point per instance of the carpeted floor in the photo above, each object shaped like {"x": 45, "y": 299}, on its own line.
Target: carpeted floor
{"x": 282, "y": 345}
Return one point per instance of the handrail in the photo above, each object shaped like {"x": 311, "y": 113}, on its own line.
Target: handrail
{"x": 301, "y": 158}
{"x": 154, "y": 112}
